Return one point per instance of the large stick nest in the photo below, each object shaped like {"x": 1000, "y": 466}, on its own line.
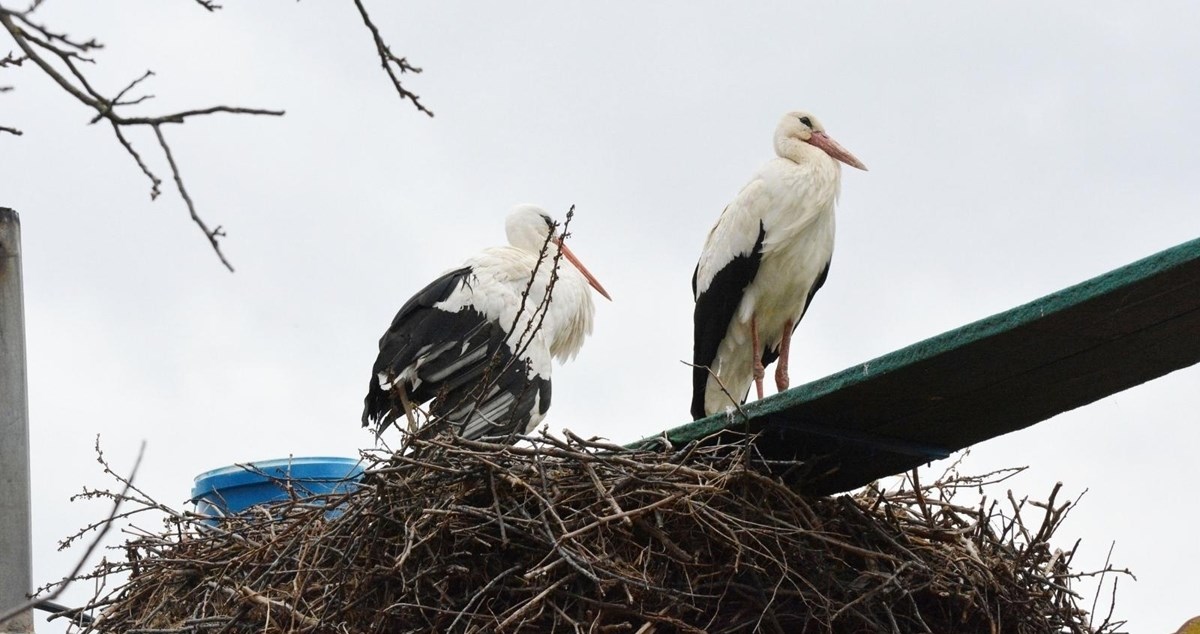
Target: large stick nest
{"x": 467, "y": 536}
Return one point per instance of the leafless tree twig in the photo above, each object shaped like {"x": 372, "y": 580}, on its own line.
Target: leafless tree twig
{"x": 392, "y": 63}
{"x": 104, "y": 527}
{"x": 60, "y": 57}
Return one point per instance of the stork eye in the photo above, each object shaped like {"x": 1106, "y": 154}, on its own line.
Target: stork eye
{"x": 806, "y": 121}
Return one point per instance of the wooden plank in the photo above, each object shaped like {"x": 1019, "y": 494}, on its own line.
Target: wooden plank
{"x": 985, "y": 379}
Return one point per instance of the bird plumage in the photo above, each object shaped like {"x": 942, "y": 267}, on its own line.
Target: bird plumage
{"x": 763, "y": 261}
{"x": 478, "y": 340}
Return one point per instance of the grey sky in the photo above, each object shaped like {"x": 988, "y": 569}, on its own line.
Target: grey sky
{"x": 1015, "y": 148}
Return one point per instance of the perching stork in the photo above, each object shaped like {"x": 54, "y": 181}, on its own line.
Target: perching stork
{"x": 762, "y": 263}
{"x": 478, "y": 340}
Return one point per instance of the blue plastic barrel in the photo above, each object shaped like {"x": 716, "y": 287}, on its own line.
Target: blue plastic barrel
{"x": 233, "y": 489}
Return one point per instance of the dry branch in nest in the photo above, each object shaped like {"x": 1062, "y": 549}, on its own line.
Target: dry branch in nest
{"x": 582, "y": 536}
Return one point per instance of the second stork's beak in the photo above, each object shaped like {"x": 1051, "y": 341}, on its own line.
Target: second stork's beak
{"x": 582, "y": 269}
{"x": 835, "y": 150}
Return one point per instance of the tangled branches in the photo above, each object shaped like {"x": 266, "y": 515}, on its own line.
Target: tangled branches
{"x": 585, "y": 536}
{"x": 63, "y": 58}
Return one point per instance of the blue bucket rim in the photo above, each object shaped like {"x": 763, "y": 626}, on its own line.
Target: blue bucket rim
{"x": 300, "y": 469}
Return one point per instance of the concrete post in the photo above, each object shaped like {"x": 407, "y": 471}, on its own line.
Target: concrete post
{"x": 16, "y": 551}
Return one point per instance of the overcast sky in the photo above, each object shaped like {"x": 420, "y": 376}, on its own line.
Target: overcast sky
{"x": 1014, "y": 148}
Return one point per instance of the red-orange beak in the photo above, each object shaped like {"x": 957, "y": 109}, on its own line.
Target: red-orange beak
{"x": 832, "y": 148}
{"x": 582, "y": 269}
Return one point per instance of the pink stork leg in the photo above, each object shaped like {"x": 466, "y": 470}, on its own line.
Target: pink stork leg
{"x": 759, "y": 370}
{"x": 785, "y": 346}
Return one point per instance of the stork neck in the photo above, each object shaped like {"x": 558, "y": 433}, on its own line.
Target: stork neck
{"x": 797, "y": 151}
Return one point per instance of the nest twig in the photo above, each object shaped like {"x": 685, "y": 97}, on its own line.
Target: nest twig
{"x": 578, "y": 536}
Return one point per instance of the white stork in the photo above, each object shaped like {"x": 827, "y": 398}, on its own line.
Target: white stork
{"x": 478, "y": 340}
{"x": 762, "y": 263}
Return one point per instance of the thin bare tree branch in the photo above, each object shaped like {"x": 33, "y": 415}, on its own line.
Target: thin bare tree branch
{"x": 87, "y": 554}
{"x": 60, "y": 57}
{"x": 6, "y": 61}
{"x": 211, "y": 234}
{"x": 392, "y": 63}
{"x": 45, "y": 48}
{"x": 154, "y": 180}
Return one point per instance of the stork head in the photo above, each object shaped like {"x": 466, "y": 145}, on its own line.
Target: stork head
{"x": 799, "y": 133}
{"x": 528, "y": 227}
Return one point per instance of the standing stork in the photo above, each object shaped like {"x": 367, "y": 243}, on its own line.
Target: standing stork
{"x": 478, "y": 340}
{"x": 762, "y": 263}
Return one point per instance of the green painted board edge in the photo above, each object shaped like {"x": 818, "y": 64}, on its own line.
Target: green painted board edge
{"x": 999, "y": 323}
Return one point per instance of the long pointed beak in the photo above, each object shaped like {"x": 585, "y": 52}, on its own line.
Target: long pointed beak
{"x": 834, "y": 149}
{"x": 582, "y": 269}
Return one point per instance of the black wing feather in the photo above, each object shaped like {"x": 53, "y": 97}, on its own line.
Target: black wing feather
{"x": 466, "y": 368}
{"x": 715, "y": 308}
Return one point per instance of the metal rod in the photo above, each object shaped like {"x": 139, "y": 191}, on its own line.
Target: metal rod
{"x": 16, "y": 551}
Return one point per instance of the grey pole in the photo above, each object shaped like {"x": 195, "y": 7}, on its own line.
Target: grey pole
{"x": 16, "y": 550}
